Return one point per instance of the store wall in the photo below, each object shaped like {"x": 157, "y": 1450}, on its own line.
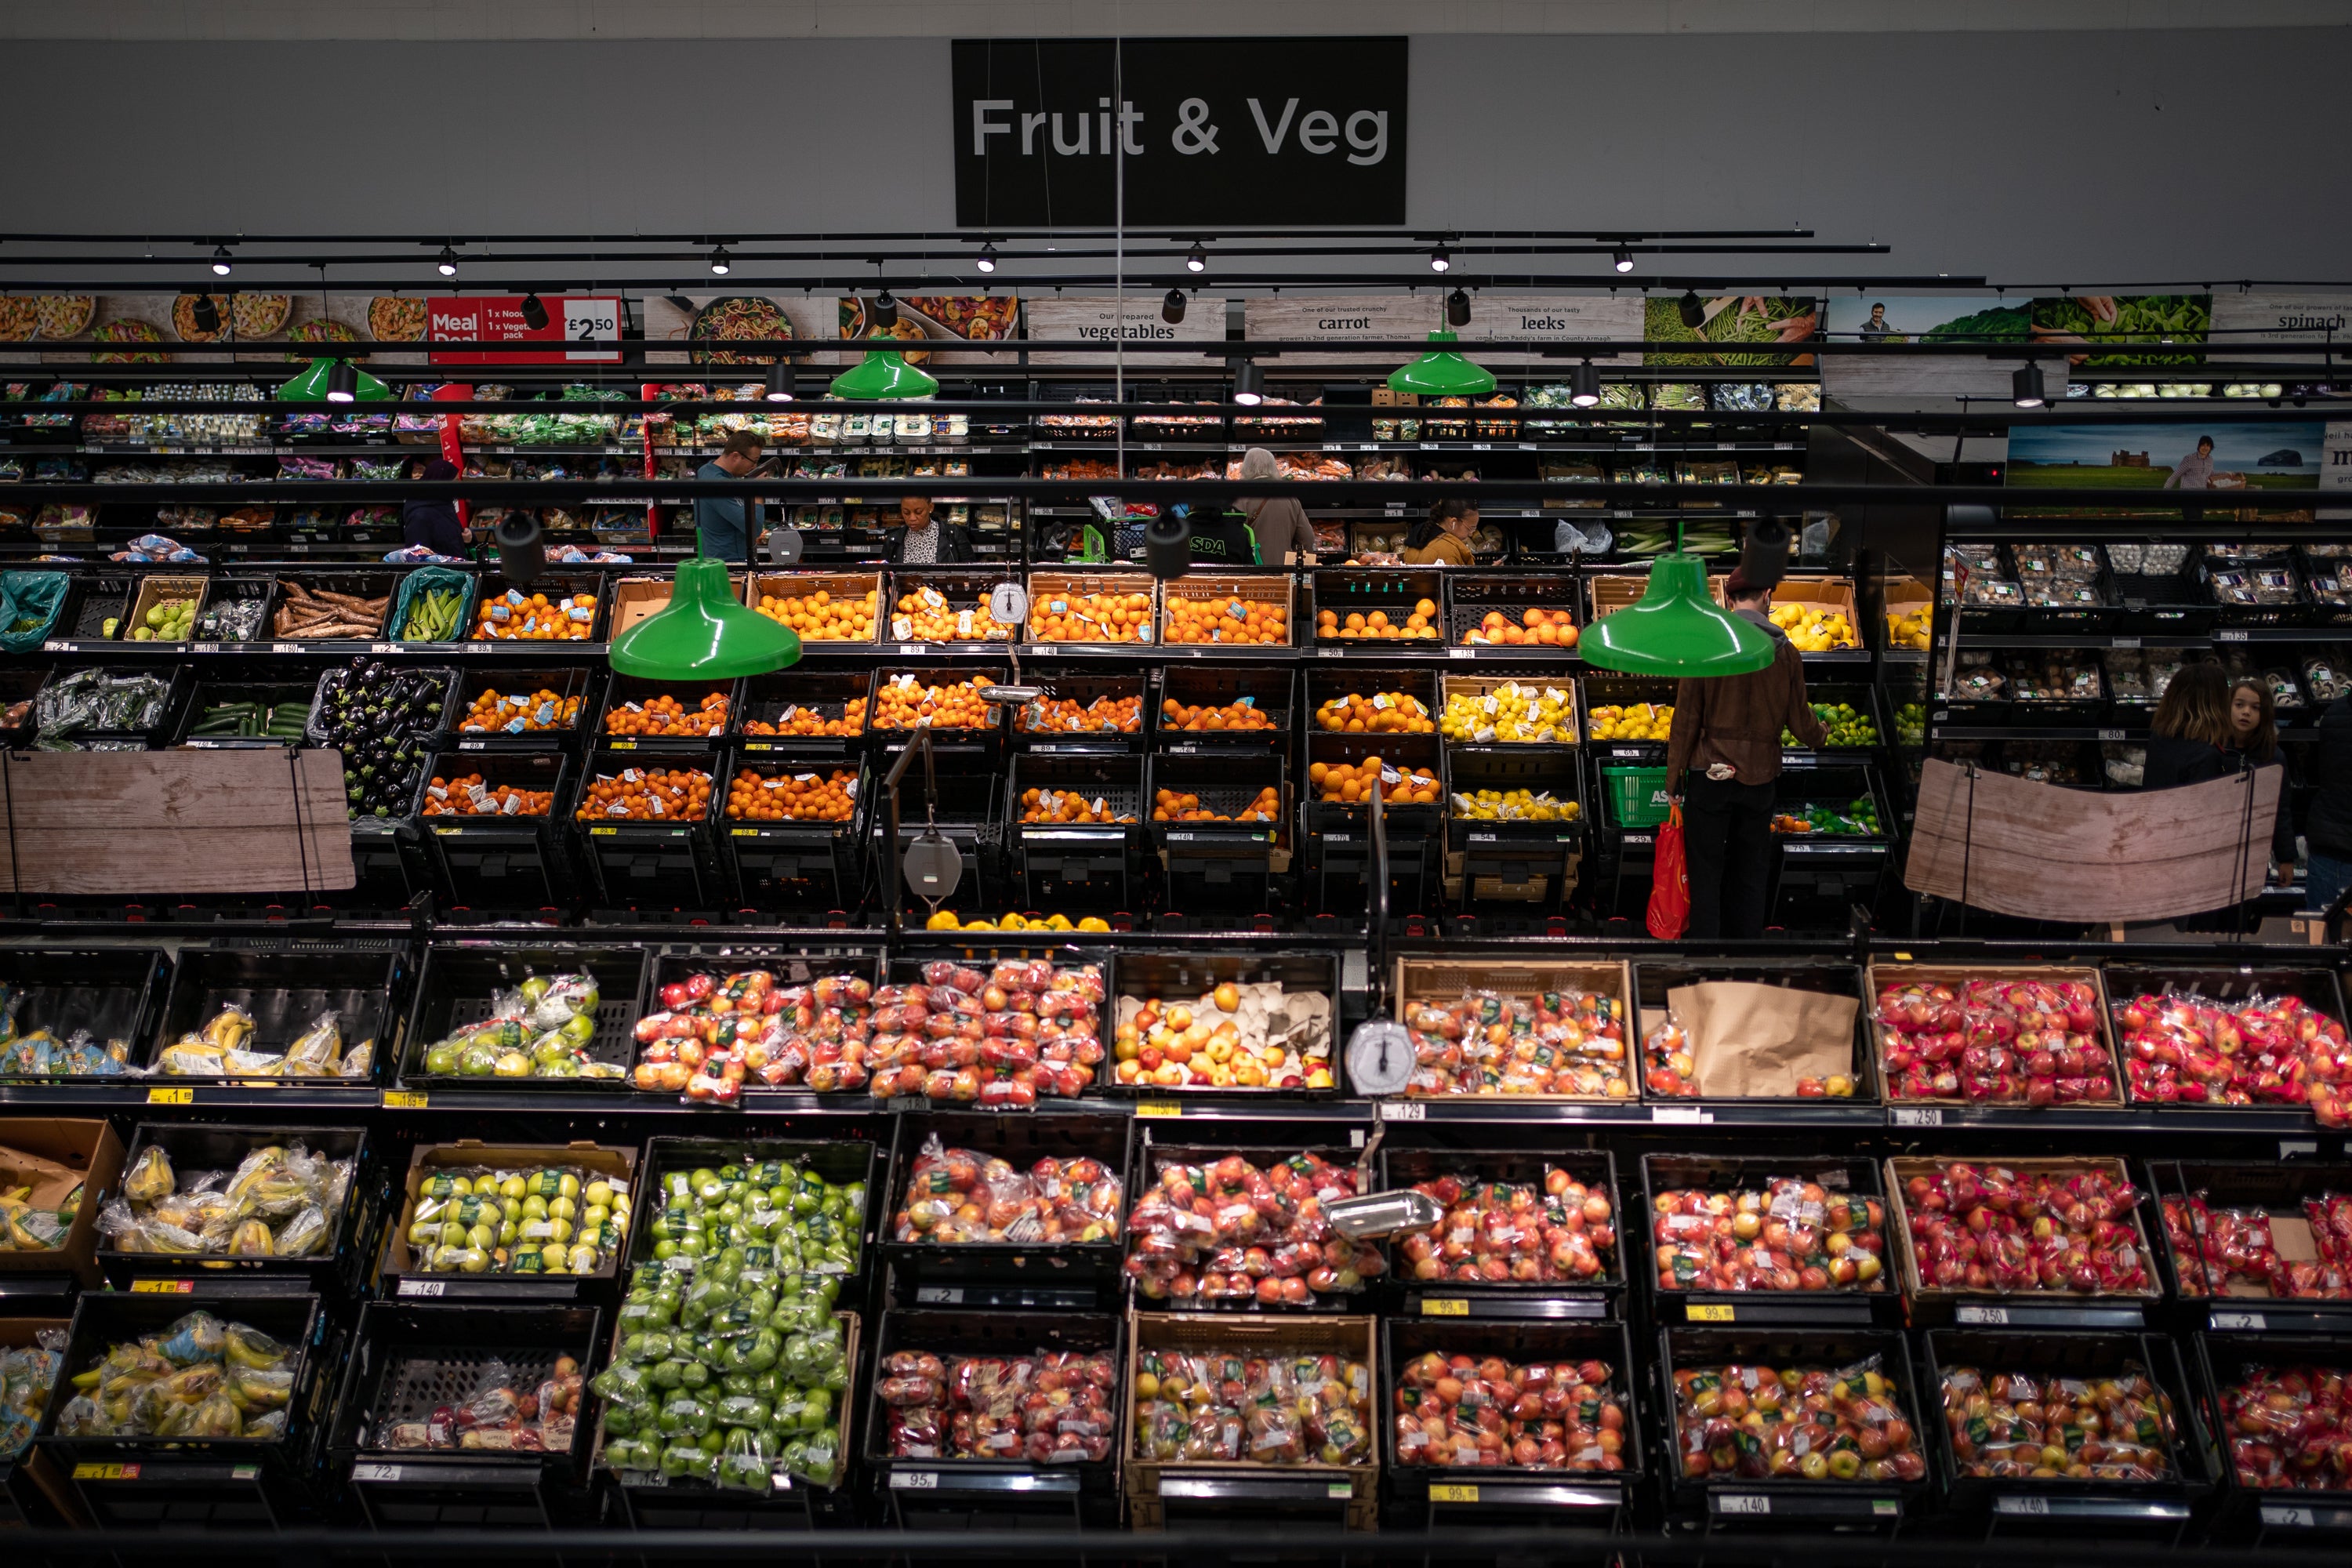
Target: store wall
{"x": 2044, "y": 158}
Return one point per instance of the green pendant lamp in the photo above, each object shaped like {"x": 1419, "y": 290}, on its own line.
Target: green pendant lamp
{"x": 334, "y": 381}
{"x": 704, "y": 633}
{"x": 1676, "y": 629}
{"x": 885, "y": 374}
{"x": 1441, "y": 373}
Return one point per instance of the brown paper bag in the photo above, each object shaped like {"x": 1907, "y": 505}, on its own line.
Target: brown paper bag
{"x": 1750, "y": 1041}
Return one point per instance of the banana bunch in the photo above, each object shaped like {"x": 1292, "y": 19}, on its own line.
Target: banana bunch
{"x": 199, "y": 1378}
{"x": 23, "y": 1228}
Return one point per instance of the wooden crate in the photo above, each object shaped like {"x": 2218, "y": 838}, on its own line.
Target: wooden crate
{"x": 1352, "y": 1337}
{"x": 1048, "y": 588}
{"x": 618, "y": 1165}
{"x": 840, "y": 585}
{"x": 1267, "y": 593}
{"x": 1614, "y": 591}
{"x": 156, "y": 587}
{"x": 1451, "y": 686}
{"x": 1877, "y": 976}
{"x": 1902, "y": 1168}
{"x": 1446, "y": 979}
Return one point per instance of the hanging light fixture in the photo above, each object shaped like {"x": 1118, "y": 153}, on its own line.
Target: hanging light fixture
{"x": 1691, "y": 310}
{"x": 1676, "y": 629}
{"x": 534, "y": 311}
{"x": 986, "y": 261}
{"x": 1622, "y": 259}
{"x": 1584, "y": 385}
{"x": 704, "y": 633}
{"x": 1457, "y": 309}
{"x": 1196, "y": 259}
{"x": 318, "y": 385}
{"x": 885, "y": 374}
{"x": 343, "y": 382}
{"x": 448, "y": 264}
{"x": 885, "y": 310}
{"x": 1440, "y": 259}
{"x": 721, "y": 263}
{"x": 779, "y": 382}
{"x": 220, "y": 261}
{"x": 1249, "y": 384}
{"x": 1171, "y": 309}
{"x": 206, "y": 314}
{"x": 2025, "y": 387}
{"x": 1441, "y": 373}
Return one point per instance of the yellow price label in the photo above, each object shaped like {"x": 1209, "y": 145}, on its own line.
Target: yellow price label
{"x": 170, "y": 1097}
{"x": 1902, "y": 958}
{"x": 1708, "y": 1312}
{"x": 620, "y": 745}
{"x": 1158, "y": 1108}
{"x": 106, "y": 1472}
{"x": 604, "y": 832}
{"x": 745, "y": 832}
{"x": 1440, "y": 1493}
{"x": 1444, "y": 1306}
{"x": 403, "y": 1099}
{"x": 162, "y": 1287}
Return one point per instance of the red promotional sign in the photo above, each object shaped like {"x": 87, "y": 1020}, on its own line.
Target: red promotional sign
{"x": 571, "y": 320}
{"x": 452, "y": 447}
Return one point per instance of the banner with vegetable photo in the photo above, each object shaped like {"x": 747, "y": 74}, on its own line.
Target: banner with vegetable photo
{"x": 1752, "y": 329}
{"x": 2092, "y": 320}
{"x": 2148, "y": 457}
{"x": 933, "y": 318}
{"x": 1892, "y": 319}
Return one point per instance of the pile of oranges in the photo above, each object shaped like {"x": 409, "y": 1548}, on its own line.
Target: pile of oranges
{"x": 904, "y": 703}
{"x": 1383, "y": 713}
{"x": 1065, "y": 805}
{"x": 666, "y": 715}
{"x": 517, "y": 617}
{"x": 1062, "y": 715}
{"x": 1174, "y": 806}
{"x": 799, "y": 720}
{"x": 1419, "y": 626}
{"x": 753, "y": 796}
{"x": 1349, "y": 783}
{"x": 1542, "y": 628}
{"x": 925, "y": 616}
{"x": 1056, "y": 616}
{"x": 648, "y": 794}
{"x": 465, "y": 796}
{"x": 517, "y": 714}
{"x": 1225, "y": 620}
{"x": 818, "y": 616}
{"x": 1243, "y": 715}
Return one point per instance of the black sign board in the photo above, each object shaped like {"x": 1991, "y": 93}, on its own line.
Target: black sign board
{"x": 1213, "y": 131}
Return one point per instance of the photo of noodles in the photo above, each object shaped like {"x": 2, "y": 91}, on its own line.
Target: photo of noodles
{"x": 738, "y": 317}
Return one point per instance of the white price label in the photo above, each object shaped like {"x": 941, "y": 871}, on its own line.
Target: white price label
{"x": 914, "y": 1480}
{"x": 422, "y": 1286}
{"x": 1462, "y": 653}
{"x": 1687, "y": 1114}
{"x": 1403, "y": 1111}
{"x": 2021, "y": 1505}
{"x": 1994, "y": 1317}
{"x": 2289, "y": 1518}
{"x": 2253, "y": 1322}
{"x": 375, "y": 1472}
{"x": 1743, "y": 1502}
{"x": 1916, "y": 1116}
{"x": 591, "y": 321}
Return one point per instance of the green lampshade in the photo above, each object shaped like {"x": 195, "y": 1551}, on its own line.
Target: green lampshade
{"x": 1442, "y": 373}
{"x": 704, "y": 633}
{"x": 1676, "y": 629}
{"x": 310, "y": 386}
{"x": 884, "y": 374}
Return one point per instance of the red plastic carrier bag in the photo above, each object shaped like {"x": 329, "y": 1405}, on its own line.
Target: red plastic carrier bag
{"x": 1669, "y": 882}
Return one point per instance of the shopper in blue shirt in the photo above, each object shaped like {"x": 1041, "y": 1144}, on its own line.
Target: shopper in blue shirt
{"x": 724, "y": 526}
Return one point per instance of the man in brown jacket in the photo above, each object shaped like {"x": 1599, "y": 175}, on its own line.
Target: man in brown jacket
{"x": 1727, "y": 734}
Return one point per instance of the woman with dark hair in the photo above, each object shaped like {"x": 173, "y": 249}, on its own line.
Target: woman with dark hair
{"x": 433, "y": 523}
{"x": 1442, "y": 537}
{"x": 2190, "y": 734}
{"x": 2253, "y": 739}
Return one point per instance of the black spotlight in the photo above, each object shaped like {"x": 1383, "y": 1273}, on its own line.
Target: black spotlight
{"x": 1764, "y": 553}
{"x": 1584, "y": 385}
{"x": 206, "y": 313}
{"x": 986, "y": 260}
{"x": 2025, "y": 387}
{"x": 1196, "y": 259}
{"x": 1622, "y": 259}
{"x": 534, "y": 311}
{"x": 1440, "y": 259}
{"x": 1249, "y": 384}
{"x": 1171, "y": 309}
{"x": 522, "y": 552}
{"x": 1457, "y": 309}
{"x": 1168, "y": 545}
{"x": 885, "y": 310}
{"x": 722, "y": 264}
{"x": 1692, "y": 312}
{"x": 343, "y": 382}
{"x": 448, "y": 264}
{"x": 220, "y": 261}
{"x": 779, "y": 382}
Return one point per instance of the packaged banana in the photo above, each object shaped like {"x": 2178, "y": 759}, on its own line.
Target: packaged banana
{"x": 282, "y": 1201}
{"x": 199, "y": 1378}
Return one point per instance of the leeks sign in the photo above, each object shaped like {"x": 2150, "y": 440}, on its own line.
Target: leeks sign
{"x": 1205, "y": 131}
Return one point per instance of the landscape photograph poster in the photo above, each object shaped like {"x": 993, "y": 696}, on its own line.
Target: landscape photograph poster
{"x": 1895, "y": 319}
{"x": 2128, "y": 456}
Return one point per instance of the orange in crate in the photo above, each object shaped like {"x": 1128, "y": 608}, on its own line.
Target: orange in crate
{"x": 1062, "y": 715}
{"x": 1065, "y": 805}
{"x": 1383, "y": 713}
{"x": 1351, "y": 783}
{"x": 1537, "y": 628}
{"x": 466, "y": 795}
{"x": 1208, "y": 716}
{"x": 517, "y": 714}
{"x": 797, "y": 721}
{"x": 647, "y": 794}
{"x": 754, "y": 797}
{"x": 517, "y": 617}
{"x": 1378, "y": 626}
{"x": 1173, "y": 806}
{"x": 904, "y": 703}
{"x": 666, "y": 715}
{"x": 818, "y": 616}
{"x": 925, "y": 616}
{"x": 1233, "y": 620}
{"x": 1057, "y": 616}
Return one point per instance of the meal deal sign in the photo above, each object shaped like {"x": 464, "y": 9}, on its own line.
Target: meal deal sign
{"x": 573, "y": 319}
{"x": 1205, "y": 131}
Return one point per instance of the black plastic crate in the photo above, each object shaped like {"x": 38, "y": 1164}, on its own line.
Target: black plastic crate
{"x": 968, "y": 804}
{"x": 1000, "y": 1493}
{"x": 557, "y": 585}
{"x": 1655, "y": 978}
{"x": 1178, "y": 977}
{"x": 632, "y": 862}
{"x": 988, "y": 738}
{"x": 1084, "y": 688}
{"x": 2278, "y": 1191}
{"x": 1398, "y": 594}
{"x": 2159, "y": 1506}
{"x": 853, "y": 957}
{"x": 368, "y": 584}
{"x": 1867, "y": 702}
{"x": 1679, "y": 1297}
{"x": 456, "y": 985}
{"x": 827, "y": 695}
{"x": 93, "y": 599}
{"x": 33, "y": 1491}
{"x": 626, "y": 692}
{"x": 222, "y": 1482}
{"x": 410, "y": 1361}
{"x": 958, "y": 588}
{"x": 2282, "y": 1516}
{"x": 1272, "y": 691}
{"x": 797, "y": 865}
{"x": 562, "y": 685}
{"x": 176, "y": 681}
{"x": 265, "y": 695}
{"x": 1442, "y": 1276}
{"x": 286, "y": 990}
{"x": 1595, "y": 1497}
{"x": 1076, "y": 864}
{"x": 2224, "y": 985}
{"x": 1515, "y": 851}
{"x": 422, "y": 718}
{"x": 837, "y": 1161}
{"x": 226, "y": 607}
{"x": 114, "y": 992}
{"x": 1082, "y": 1273}
{"x": 341, "y": 1261}
{"x": 1203, "y": 1145}
{"x": 1471, "y": 599}
{"x": 494, "y": 861}
{"x": 1230, "y": 784}
{"x": 19, "y": 687}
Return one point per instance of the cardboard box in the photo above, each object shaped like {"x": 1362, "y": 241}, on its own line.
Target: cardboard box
{"x": 1445, "y": 980}
{"x": 1877, "y": 976}
{"x": 91, "y": 1155}
{"x": 635, "y": 598}
{"x": 617, "y": 1166}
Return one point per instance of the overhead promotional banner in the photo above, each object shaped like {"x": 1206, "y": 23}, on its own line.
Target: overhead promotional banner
{"x": 1890, "y": 318}
{"x": 1339, "y": 320}
{"x": 160, "y": 328}
{"x": 1210, "y": 131}
{"x": 1107, "y": 320}
{"x": 1553, "y": 318}
{"x": 573, "y": 322}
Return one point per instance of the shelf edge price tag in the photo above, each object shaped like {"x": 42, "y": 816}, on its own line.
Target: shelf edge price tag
{"x": 1994, "y": 1316}
{"x": 1160, "y": 1108}
{"x": 1743, "y": 1502}
{"x": 1444, "y": 1306}
{"x": 2291, "y": 1517}
{"x": 424, "y": 1287}
{"x": 170, "y": 1097}
{"x": 1711, "y": 1313}
{"x": 2250, "y": 1321}
{"x": 914, "y": 1480}
{"x": 2021, "y": 1505}
{"x": 1914, "y": 1116}
{"x": 1403, "y": 1111}
{"x": 106, "y": 1472}
{"x": 163, "y": 1287}
{"x": 1680, "y": 1113}
{"x": 375, "y": 1472}
{"x": 403, "y": 1099}
{"x": 1440, "y": 1492}
{"x": 1339, "y": 1490}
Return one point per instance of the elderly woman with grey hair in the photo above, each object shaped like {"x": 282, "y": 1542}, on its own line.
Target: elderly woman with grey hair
{"x": 1279, "y": 522}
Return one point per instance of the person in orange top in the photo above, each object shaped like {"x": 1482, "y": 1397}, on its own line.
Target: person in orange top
{"x": 1442, "y": 537}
